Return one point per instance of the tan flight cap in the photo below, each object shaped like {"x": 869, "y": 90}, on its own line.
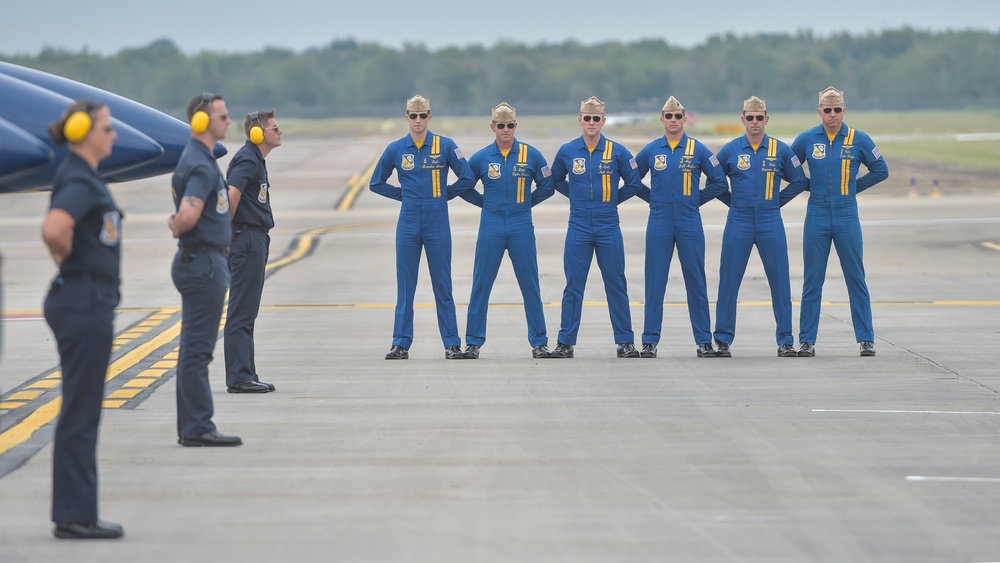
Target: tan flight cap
{"x": 418, "y": 103}
{"x": 592, "y": 105}
{"x": 672, "y": 105}
{"x": 753, "y": 103}
{"x": 504, "y": 113}
{"x": 831, "y": 97}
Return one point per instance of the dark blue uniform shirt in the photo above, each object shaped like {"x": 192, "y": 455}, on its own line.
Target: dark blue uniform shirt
{"x": 97, "y": 235}
{"x": 248, "y": 174}
{"x": 198, "y": 175}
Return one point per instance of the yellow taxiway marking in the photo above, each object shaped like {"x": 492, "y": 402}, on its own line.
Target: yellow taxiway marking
{"x": 355, "y": 184}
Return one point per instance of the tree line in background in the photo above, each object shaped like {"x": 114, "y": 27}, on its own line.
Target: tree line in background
{"x": 898, "y": 69}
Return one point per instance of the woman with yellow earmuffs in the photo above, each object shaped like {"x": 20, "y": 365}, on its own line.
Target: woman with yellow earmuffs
{"x": 82, "y": 231}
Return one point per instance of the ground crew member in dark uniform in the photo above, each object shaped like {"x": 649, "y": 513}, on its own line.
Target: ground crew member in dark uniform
{"x": 250, "y": 207}
{"x": 421, "y": 161}
{"x": 675, "y": 163}
{"x": 200, "y": 269}
{"x": 755, "y": 165}
{"x": 507, "y": 168}
{"x": 595, "y": 166}
{"x": 82, "y": 231}
{"x": 835, "y": 153}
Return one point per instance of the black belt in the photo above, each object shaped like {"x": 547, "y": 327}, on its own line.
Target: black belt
{"x": 251, "y": 226}
{"x": 78, "y": 275}
{"x": 224, "y": 250}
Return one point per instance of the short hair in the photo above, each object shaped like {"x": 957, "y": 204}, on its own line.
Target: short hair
{"x": 203, "y": 100}
{"x": 256, "y": 117}
{"x": 57, "y": 127}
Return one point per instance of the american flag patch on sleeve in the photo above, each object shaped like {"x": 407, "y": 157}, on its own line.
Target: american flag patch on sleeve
{"x": 795, "y": 161}
{"x": 713, "y": 160}
{"x": 458, "y": 153}
{"x": 876, "y": 153}
{"x": 546, "y": 172}
{"x": 633, "y": 164}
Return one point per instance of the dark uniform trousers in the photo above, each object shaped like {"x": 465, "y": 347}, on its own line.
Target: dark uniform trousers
{"x": 247, "y": 259}
{"x": 201, "y": 277}
{"x": 81, "y": 313}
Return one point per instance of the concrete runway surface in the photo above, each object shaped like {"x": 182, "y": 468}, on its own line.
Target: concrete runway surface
{"x": 594, "y": 459}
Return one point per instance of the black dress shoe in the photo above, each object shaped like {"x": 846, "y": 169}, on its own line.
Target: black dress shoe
{"x": 541, "y": 351}
{"x": 213, "y": 438}
{"x": 648, "y": 351}
{"x": 786, "y": 351}
{"x": 471, "y": 352}
{"x": 722, "y": 350}
{"x": 867, "y": 348}
{"x": 562, "y": 351}
{"x": 99, "y": 530}
{"x": 397, "y": 353}
{"x": 248, "y": 387}
{"x": 453, "y": 353}
{"x": 627, "y": 350}
{"x": 269, "y": 386}
{"x": 705, "y": 351}
{"x": 806, "y": 350}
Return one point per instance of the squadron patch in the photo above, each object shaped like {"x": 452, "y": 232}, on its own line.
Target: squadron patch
{"x": 819, "y": 150}
{"x": 407, "y": 163}
{"x": 222, "y": 202}
{"x": 111, "y": 231}
{"x": 494, "y": 171}
{"x": 579, "y": 165}
{"x": 660, "y": 162}
{"x": 262, "y": 194}
{"x": 743, "y": 162}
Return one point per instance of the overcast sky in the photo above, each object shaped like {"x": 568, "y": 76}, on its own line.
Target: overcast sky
{"x": 107, "y": 26}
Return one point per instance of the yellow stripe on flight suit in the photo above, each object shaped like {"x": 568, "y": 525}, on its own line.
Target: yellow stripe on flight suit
{"x": 436, "y": 173}
{"x": 845, "y": 165}
{"x": 606, "y": 178}
{"x": 688, "y": 151}
{"x": 522, "y": 159}
{"x": 772, "y": 152}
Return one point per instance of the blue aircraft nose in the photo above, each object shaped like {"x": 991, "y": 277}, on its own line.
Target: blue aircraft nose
{"x": 20, "y": 151}
{"x": 32, "y": 108}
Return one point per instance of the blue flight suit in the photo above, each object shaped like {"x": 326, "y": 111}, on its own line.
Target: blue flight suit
{"x": 832, "y": 215}
{"x": 674, "y": 219}
{"x": 590, "y": 179}
{"x": 80, "y": 310}
{"x": 200, "y": 272}
{"x": 505, "y": 225}
{"x": 423, "y": 223}
{"x": 247, "y": 258}
{"x": 754, "y": 200}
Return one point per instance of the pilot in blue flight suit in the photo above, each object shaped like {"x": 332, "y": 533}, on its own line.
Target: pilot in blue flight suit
{"x": 82, "y": 231}
{"x": 421, "y": 161}
{"x": 507, "y": 168}
{"x": 755, "y": 165}
{"x": 595, "y": 166}
{"x": 250, "y": 207}
{"x": 200, "y": 269}
{"x": 675, "y": 163}
{"x": 835, "y": 153}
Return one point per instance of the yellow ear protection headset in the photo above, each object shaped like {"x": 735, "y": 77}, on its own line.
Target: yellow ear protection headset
{"x": 79, "y": 123}
{"x": 256, "y": 133}
{"x": 200, "y": 118}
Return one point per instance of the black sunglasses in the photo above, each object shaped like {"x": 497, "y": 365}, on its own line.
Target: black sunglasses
{"x": 506, "y": 125}
{"x": 835, "y": 110}
{"x": 420, "y": 115}
{"x": 594, "y": 118}
{"x": 752, "y": 117}
{"x": 673, "y": 115}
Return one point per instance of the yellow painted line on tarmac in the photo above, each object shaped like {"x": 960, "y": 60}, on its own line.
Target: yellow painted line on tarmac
{"x": 992, "y": 245}
{"x": 355, "y": 184}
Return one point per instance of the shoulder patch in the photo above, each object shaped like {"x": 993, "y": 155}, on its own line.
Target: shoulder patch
{"x": 713, "y": 160}
{"x": 633, "y": 163}
{"x": 546, "y": 172}
{"x": 795, "y": 161}
{"x": 458, "y": 153}
{"x": 876, "y": 153}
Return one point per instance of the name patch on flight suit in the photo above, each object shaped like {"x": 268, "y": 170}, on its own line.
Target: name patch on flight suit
{"x": 660, "y": 162}
{"x": 110, "y": 232}
{"x": 687, "y": 163}
{"x": 579, "y": 165}
{"x": 494, "y": 171}
{"x": 434, "y": 162}
{"x": 846, "y": 153}
{"x": 407, "y": 163}
{"x": 222, "y": 202}
{"x": 743, "y": 162}
{"x": 262, "y": 194}
{"x": 819, "y": 150}
{"x": 770, "y": 164}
